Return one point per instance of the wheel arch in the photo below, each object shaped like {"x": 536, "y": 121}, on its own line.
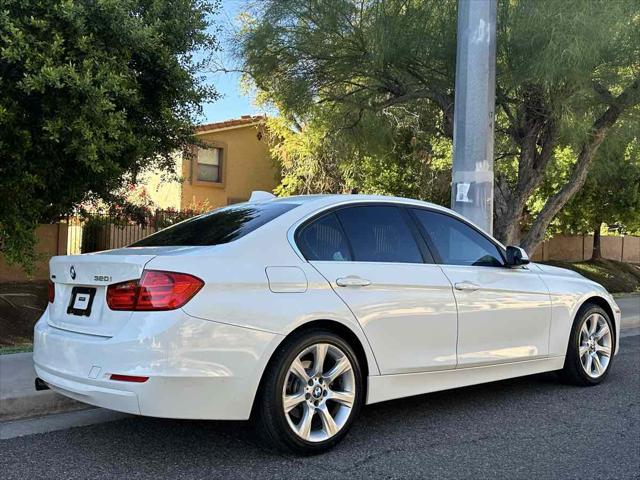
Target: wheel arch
{"x": 332, "y": 326}
{"x": 606, "y": 306}
{"x": 602, "y": 303}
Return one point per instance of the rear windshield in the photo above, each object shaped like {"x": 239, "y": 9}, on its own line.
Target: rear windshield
{"x": 219, "y": 226}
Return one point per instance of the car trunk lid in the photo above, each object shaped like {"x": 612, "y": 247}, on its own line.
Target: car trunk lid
{"x": 81, "y": 283}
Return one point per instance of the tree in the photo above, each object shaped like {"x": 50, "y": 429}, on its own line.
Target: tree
{"x": 91, "y": 92}
{"x": 567, "y": 73}
{"x": 611, "y": 193}
{"x": 394, "y": 155}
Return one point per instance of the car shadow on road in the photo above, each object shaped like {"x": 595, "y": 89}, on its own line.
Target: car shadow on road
{"x": 385, "y": 419}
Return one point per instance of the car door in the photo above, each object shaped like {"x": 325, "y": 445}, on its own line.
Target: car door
{"x": 504, "y": 314}
{"x": 375, "y": 260}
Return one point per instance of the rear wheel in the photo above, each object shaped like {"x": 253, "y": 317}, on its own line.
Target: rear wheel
{"x": 591, "y": 347}
{"x": 311, "y": 393}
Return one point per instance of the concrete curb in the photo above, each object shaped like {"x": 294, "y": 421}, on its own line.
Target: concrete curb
{"x": 40, "y": 403}
{"x": 18, "y": 396}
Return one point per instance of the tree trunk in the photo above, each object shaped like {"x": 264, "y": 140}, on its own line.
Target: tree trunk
{"x": 597, "y": 249}
{"x": 534, "y": 130}
{"x": 579, "y": 173}
{"x": 506, "y": 226}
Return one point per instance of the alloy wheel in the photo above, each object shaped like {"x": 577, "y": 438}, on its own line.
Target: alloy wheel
{"x": 595, "y": 345}
{"x": 319, "y": 392}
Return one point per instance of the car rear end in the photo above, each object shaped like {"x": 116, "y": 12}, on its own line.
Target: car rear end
{"x": 115, "y": 334}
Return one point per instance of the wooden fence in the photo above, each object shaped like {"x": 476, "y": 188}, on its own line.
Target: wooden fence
{"x": 580, "y": 247}
{"x": 52, "y": 240}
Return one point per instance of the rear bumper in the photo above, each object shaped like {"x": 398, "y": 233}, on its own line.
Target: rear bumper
{"x": 197, "y": 369}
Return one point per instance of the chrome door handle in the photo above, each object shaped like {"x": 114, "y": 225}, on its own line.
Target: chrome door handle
{"x": 352, "y": 281}
{"x": 467, "y": 286}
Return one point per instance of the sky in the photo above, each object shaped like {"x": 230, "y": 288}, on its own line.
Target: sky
{"x": 232, "y": 103}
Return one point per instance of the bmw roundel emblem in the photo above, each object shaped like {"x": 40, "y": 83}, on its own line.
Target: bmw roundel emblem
{"x": 72, "y": 272}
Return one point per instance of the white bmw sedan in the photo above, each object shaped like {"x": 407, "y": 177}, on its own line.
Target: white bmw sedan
{"x": 297, "y": 311}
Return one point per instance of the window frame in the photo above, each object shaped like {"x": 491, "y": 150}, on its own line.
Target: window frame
{"x": 431, "y": 244}
{"x": 318, "y": 218}
{"x": 222, "y": 168}
{"x": 423, "y": 248}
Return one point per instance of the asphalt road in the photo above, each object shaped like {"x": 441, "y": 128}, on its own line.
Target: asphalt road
{"x": 531, "y": 427}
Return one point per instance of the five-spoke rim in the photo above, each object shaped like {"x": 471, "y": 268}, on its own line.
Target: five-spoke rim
{"x": 594, "y": 345}
{"x": 319, "y": 392}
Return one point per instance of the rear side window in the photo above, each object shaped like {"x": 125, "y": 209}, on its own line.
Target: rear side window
{"x": 379, "y": 234}
{"x": 217, "y": 227}
{"x": 458, "y": 243}
{"x": 324, "y": 240}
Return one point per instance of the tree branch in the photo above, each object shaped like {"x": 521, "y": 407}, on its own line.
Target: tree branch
{"x": 605, "y": 95}
{"x": 629, "y": 96}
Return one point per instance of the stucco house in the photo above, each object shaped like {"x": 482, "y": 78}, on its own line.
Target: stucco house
{"x": 235, "y": 162}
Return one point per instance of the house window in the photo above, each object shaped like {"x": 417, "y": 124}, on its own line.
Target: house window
{"x": 210, "y": 165}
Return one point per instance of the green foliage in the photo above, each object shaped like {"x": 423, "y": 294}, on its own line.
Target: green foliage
{"x": 91, "y": 92}
{"x": 611, "y": 194}
{"x": 369, "y": 88}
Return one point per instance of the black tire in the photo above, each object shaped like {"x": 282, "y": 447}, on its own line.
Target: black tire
{"x": 573, "y": 372}
{"x": 270, "y": 417}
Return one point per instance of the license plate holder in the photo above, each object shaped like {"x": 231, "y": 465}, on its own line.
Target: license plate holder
{"x": 81, "y": 301}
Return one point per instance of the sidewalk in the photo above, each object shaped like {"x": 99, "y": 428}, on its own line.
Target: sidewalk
{"x": 19, "y": 399}
{"x": 18, "y": 396}
{"x": 630, "y": 307}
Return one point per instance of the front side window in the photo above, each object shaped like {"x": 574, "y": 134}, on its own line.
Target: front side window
{"x": 217, "y": 227}
{"x": 379, "y": 234}
{"x": 210, "y": 165}
{"x": 458, "y": 243}
{"x": 324, "y": 240}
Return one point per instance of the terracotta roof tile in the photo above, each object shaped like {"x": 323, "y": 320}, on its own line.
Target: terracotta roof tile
{"x": 234, "y": 122}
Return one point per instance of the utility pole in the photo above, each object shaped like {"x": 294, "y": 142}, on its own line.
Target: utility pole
{"x": 472, "y": 176}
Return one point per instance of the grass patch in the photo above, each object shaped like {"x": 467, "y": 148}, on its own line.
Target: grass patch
{"x": 27, "y": 347}
{"x": 616, "y": 277}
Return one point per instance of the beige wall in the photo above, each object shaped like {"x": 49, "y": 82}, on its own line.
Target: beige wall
{"x": 246, "y": 166}
{"x": 577, "y": 248}
{"x": 163, "y": 190}
{"x": 52, "y": 240}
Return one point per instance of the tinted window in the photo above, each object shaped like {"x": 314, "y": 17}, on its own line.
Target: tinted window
{"x": 379, "y": 234}
{"x": 457, "y": 243}
{"x": 324, "y": 240}
{"x": 219, "y": 226}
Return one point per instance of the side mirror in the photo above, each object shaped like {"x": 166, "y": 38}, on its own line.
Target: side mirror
{"x": 516, "y": 256}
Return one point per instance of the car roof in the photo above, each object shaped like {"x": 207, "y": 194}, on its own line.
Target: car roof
{"x": 335, "y": 199}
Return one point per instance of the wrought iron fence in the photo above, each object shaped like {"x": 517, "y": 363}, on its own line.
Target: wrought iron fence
{"x": 95, "y": 232}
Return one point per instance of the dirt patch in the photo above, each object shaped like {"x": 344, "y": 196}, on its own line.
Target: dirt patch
{"x": 616, "y": 277}
{"x": 21, "y": 304}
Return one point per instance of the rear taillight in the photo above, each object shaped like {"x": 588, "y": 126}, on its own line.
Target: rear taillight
{"x": 52, "y": 291}
{"x": 123, "y": 296}
{"x": 156, "y": 290}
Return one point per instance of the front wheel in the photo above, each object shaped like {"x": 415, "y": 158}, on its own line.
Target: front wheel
{"x": 311, "y": 393}
{"x": 591, "y": 347}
